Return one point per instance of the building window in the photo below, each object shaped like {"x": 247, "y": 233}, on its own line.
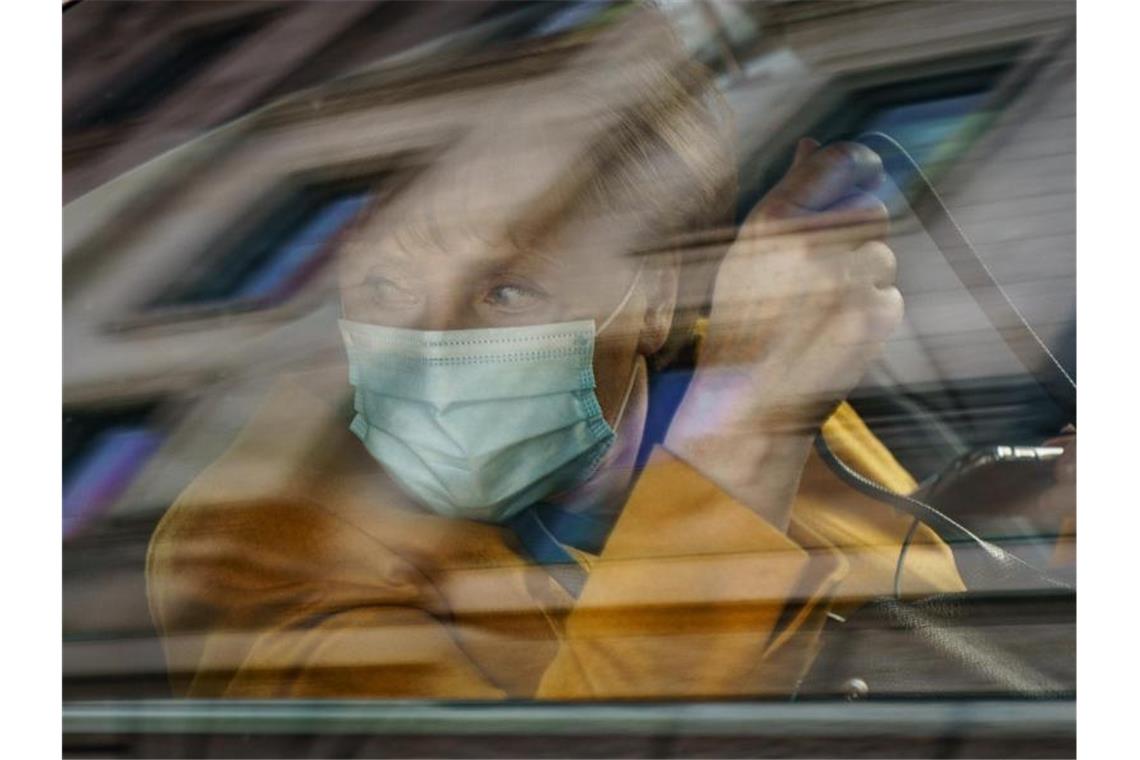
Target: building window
{"x": 104, "y": 450}
{"x": 935, "y": 117}
{"x": 270, "y": 262}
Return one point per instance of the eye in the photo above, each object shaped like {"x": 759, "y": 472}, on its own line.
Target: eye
{"x": 390, "y": 294}
{"x": 513, "y": 297}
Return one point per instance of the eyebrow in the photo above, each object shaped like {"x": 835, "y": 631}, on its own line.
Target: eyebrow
{"x": 528, "y": 258}
{"x": 523, "y": 240}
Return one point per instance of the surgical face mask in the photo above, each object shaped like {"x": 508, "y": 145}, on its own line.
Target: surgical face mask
{"x": 480, "y": 424}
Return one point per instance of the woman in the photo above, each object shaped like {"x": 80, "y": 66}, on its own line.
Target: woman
{"x": 491, "y": 520}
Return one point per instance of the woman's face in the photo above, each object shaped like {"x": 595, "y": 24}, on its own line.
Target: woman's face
{"x": 450, "y": 255}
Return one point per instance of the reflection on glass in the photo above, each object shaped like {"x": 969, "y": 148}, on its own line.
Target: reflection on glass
{"x": 278, "y": 258}
{"x": 547, "y": 431}
{"x": 921, "y": 127}
{"x": 103, "y": 452}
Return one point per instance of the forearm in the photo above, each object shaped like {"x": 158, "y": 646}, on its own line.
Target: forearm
{"x": 759, "y": 464}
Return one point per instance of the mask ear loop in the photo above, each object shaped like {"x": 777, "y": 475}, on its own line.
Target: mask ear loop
{"x": 608, "y": 321}
{"x": 625, "y": 399}
{"x": 625, "y": 299}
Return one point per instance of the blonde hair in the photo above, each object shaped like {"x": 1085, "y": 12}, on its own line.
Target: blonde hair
{"x": 672, "y": 146}
{"x": 661, "y": 136}
{"x": 643, "y": 130}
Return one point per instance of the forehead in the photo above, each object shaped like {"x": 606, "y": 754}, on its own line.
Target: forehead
{"x": 507, "y": 191}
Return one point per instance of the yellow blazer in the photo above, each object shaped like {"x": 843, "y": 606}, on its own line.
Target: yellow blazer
{"x": 292, "y": 568}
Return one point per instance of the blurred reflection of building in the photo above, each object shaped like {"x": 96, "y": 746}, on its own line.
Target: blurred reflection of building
{"x": 191, "y": 283}
{"x": 141, "y": 78}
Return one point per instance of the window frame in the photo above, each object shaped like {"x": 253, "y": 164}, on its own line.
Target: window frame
{"x": 392, "y": 173}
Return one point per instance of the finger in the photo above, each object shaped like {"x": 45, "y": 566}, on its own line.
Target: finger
{"x": 860, "y": 201}
{"x": 849, "y": 227}
{"x": 874, "y": 262}
{"x": 828, "y": 175}
{"x": 832, "y": 355}
{"x": 789, "y": 267}
{"x": 842, "y": 317}
{"x": 887, "y": 310}
{"x": 863, "y": 211}
{"x": 869, "y": 317}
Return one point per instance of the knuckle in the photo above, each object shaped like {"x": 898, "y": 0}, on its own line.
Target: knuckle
{"x": 838, "y": 154}
{"x": 863, "y": 163}
{"x": 853, "y": 152}
{"x": 776, "y": 208}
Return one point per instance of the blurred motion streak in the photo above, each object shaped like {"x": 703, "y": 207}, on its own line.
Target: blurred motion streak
{"x": 239, "y": 176}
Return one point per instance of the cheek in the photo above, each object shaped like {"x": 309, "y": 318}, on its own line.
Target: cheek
{"x": 350, "y": 292}
{"x": 354, "y": 305}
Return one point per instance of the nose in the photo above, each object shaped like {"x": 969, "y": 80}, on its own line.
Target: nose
{"x": 447, "y": 304}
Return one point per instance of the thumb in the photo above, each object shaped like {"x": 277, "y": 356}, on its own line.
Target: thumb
{"x": 804, "y": 148}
